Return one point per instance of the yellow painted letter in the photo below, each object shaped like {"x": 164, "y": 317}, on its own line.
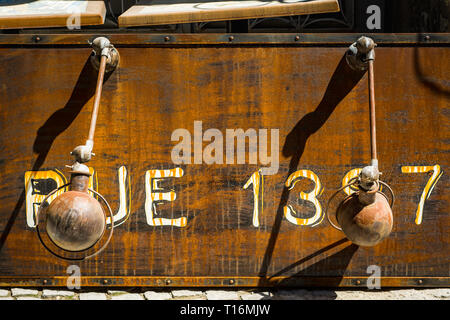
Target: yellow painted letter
{"x": 152, "y": 198}
{"x": 38, "y": 184}
{"x": 124, "y": 198}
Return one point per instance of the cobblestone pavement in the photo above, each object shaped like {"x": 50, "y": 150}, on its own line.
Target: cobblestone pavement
{"x": 213, "y": 294}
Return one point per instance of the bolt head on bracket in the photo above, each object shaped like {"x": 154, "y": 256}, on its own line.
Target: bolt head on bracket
{"x": 79, "y": 168}
{"x": 102, "y": 46}
{"x": 83, "y": 153}
{"x": 360, "y": 52}
{"x": 368, "y": 177}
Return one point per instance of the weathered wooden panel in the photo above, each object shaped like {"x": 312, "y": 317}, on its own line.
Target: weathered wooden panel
{"x": 43, "y": 13}
{"x": 180, "y": 11}
{"x": 320, "y": 109}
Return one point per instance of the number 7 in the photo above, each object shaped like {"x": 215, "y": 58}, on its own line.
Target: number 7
{"x": 437, "y": 173}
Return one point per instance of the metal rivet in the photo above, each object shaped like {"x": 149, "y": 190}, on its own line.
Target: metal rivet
{"x": 231, "y": 38}
{"x": 168, "y": 281}
{"x": 297, "y": 38}
{"x": 166, "y": 38}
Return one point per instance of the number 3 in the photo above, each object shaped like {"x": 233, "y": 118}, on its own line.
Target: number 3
{"x": 311, "y": 197}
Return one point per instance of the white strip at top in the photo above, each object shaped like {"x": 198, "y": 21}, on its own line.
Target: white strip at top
{"x": 41, "y": 8}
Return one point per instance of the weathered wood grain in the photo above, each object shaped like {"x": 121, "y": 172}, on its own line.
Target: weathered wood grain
{"x": 161, "y": 12}
{"x": 45, "y": 14}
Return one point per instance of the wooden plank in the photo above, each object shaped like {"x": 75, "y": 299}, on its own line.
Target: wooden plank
{"x": 319, "y": 107}
{"x": 160, "y": 12}
{"x": 45, "y": 14}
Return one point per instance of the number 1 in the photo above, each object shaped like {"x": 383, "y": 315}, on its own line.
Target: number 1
{"x": 256, "y": 180}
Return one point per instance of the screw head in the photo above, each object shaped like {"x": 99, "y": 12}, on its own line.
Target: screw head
{"x": 358, "y": 282}
{"x": 45, "y": 281}
{"x": 427, "y": 37}
{"x": 37, "y": 39}
{"x": 420, "y": 281}
{"x": 297, "y": 38}
{"x": 231, "y": 281}
{"x": 105, "y": 281}
{"x": 168, "y": 281}
{"x": 166, "y": 39}
{"x": 231, "y": 38}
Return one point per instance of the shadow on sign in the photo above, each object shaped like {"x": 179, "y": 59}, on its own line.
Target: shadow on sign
{"x": 343, "y": 80}
{"x": 57, "y": 123}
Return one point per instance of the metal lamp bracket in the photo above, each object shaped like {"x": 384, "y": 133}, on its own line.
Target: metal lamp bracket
{"x": 105, "y": 59}
{"x": 75, "y": 231}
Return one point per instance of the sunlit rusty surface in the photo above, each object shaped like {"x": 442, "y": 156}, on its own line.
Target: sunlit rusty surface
{"x": 307, "y": 92}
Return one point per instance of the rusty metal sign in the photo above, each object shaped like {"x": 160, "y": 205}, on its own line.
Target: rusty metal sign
{"x": 218, "y": 153}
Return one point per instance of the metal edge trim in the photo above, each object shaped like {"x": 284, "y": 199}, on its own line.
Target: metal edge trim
{"x": 208, "y": 281}
{"x": 171, "y": 39}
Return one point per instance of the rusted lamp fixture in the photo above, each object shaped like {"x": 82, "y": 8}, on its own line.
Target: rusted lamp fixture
{"x": 75, "y": 221}
{"x": 366, "y": 215}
